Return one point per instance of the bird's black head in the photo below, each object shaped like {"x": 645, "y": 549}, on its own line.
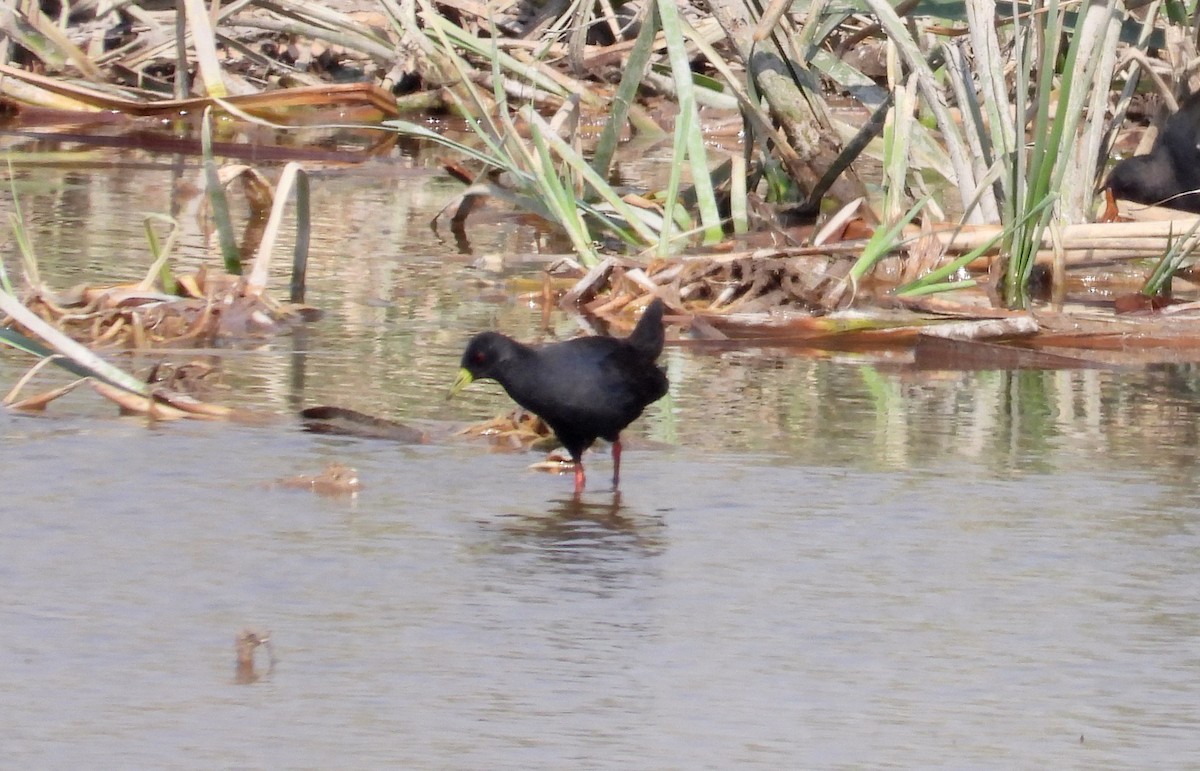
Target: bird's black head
{"x": 485, "y": 357}
{"x": 485, "y": 352}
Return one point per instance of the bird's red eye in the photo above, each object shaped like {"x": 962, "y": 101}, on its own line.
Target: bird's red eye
{"x": 478, "y": 357}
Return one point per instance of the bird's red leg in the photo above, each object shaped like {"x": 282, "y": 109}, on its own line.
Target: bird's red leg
{"x": 579, "y": 478}
{"x": 616, "y": 452}
{"x": 1111, "y": 213}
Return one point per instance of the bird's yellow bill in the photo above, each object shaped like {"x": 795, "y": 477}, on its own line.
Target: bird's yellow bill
{"x": 463, "y": 380}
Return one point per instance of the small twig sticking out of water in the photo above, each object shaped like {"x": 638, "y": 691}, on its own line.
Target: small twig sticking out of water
{"x": 245, "y": 644}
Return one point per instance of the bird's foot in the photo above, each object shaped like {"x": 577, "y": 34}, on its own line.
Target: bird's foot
{"x": 580, "y": 480}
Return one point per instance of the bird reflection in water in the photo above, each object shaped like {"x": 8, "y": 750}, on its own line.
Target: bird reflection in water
{"x": 574, "y": 529}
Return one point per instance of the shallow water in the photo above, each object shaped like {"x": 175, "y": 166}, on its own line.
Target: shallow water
{"x": 813, "y": 563}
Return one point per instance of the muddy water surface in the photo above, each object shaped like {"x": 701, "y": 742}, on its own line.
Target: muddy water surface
{"x": 813, "y": 563}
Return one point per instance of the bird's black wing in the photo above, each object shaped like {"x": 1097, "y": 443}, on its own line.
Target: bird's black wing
{"x": 1181, "y": 136}
{"x": 647, "y": 336}
{"x": 593, "y": 387}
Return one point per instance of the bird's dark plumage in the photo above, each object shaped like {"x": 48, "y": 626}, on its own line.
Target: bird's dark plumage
{"x": 585, "y": 388}
{"x": 1171, "y": 167}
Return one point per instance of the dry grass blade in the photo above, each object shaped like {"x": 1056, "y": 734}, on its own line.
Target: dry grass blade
{"x": 928, "y": 84}
{"x": 293, "y": 176}
{"x": 1136, "y": 239}
{"x": 39, "y": 402}
{"x": 985, "y": 329}
{"x": 205, "y": 45}
{"x": 11, "y": 21}
{"x": 78, "y": 353}
{"x": 11, "y": 396}
{"x": 1099, "y": 30}
{"x": 136, "y": 404}
{"x": 535, "y": 73}
{"x": 164, "y": 406}
{"x": 65, "y": 95}
{"x": 330, "y": 26}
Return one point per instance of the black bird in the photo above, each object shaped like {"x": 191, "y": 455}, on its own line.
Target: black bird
{"x": 583, "y": 388}
{"x": 1170, "y": 168}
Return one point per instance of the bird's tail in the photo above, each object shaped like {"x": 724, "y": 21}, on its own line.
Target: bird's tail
{"x": 647, "y": 336}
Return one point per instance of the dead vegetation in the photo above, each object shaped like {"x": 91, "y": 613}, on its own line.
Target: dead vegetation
{"x": 335, "y": 481}
{"x": 165, "y": 310}
{"x": 518, "y": 430}
{"x": 991, "y": 201}
{"x": 210, "y": 309}
{"x": 522, "y": 431}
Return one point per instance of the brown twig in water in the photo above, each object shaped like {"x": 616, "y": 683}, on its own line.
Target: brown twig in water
{"x": 245, "y": 644}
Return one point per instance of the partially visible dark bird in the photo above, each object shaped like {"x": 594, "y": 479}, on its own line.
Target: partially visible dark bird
{"x": 585, "y": 388}
{"x": 1170, "y": 168}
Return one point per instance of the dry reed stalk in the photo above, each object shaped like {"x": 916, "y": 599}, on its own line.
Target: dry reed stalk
{"x": 1135, "y": 239}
